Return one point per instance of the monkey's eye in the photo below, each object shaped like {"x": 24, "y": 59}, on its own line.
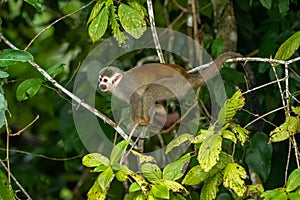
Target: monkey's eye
{"x": 105, "y": 80}
{"x": 100, "y": 79}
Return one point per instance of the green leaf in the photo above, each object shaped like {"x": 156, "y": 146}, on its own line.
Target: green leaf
{"x": 28, "y": 88}
{"x": 175, "y": 170}
{"x": 293, "y": 180}
{"x": 35, "y": 3}
{"x": 54, "y": 70}
{"x": 283, "y": 6}
{"x": 285, "y": 130}
{"x": 118, "y": 151}
{"x": 118, "y": 34}
{"x": 151, "y": 172}
{"x": 11, "y": 57}
{"x": 132, "y": 20}
{"x": 241, "y": 133}
{"x": 160, "y": 191}
{"x": 134, "y": 187}
{"x": 98, "y": 26}
{"x": 296, "y": 110}
{"x": 139, "y": 180}
{"x": 293, "y": 196}
{"x": 234, "y": 176}
{"x": 209, "y": 151}
{"x": 5, "y": 192}
{"x": 195, "y": 176}
{"x": 266, "y": 3}
{"x": 255, "y": 190}
{"x": 203, "y": 134}
{"x": 3, "y": 74}
{"x": 288, "y": 48}
{"x": 95, "y": 11}
{"x": 94, "y": 160}
{"x": 277, "y": 194}
{"x": 229, "y": 110}
{"x": 96, "y": 193}
{"x": 99, "y": 168}
{"x": 123, "y": 173}
{"x": 136, "y": 196}
{"x": 259, "y": 155}
{"x": 228, "y": 135}
{"x": 105, "y": 178}
{"x": 178, "y": 141}
{"x": 211, "y": 187}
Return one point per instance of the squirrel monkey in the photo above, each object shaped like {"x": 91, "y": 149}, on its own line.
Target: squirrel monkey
{"x": 143, "y": 86}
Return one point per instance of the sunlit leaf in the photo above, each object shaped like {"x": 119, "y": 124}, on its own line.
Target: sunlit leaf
{"x": 11, "y": 57}
{"x": 176, "y": 169}
{"x": 277, "y": 194}
{"x": 195, "y": 176}
{"x": 172, "y": 185}
{"x": 96, "y": 193}
{"x": 105, "y": 178}
{"x": 132, "y": 20}
{"x": 118, "y": 151}
{"x": 233, "y": 178}
{"x": 123, "y": 173}
{"x": 256, "y": 189}
{"x": 293, "y": 180}
{"x": 229, "y": 135}
{"x": 144, "y": 158}
{"x": 211, "y": 187}
{"x": 98, "y": 26}
{"x": 160, "y": 191}
{"x": 229, "y": 110}
{"x": 209, "y": 151}
{"x": 28, "y": 88}
{"x": 94, "y": 160}
{"x": 296, "y": 110}
{"x": 294, "y": 196}
{"x": 241, "y": 133}
{"x": 151, "y": 172}
{"x": 285, "y": 130}
{"x": 139, "y": 180}
{"x": 288, "y": 48}
{"x": 183, "y": 138}
{"x": 134, "y": 187}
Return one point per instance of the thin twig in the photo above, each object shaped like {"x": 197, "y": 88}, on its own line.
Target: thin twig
{"x": 56, "y": 21}
{"x": 264, "y": 85}
{"x": 279, "y": 86}
{"x": 16, "y": 181}
{"x": 154, "y": 33}
{"x": 26, "y": 127}
{"x": 71, "y": 95}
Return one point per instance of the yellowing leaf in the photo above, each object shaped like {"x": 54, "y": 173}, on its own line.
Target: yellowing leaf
{"x": 195, "y": 176}
{"x": 94, "y": 160}
{"x": 210, "y": 188}
{"x": 241, "y": 133}
{"x": 233, "y": 178}
{"x": 285, "y": 130}
{"x": 105, "y": 178}
{"x": 209, "y": 151}
{"x": 178, "y": 141}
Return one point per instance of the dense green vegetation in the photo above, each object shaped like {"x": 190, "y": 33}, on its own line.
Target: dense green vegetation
{"x": 237, "y": 157}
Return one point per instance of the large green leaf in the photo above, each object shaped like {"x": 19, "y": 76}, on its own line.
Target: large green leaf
{"x": 293, "y": 180}
{"x": 28, "y": 88}
{"x": 234, "y": 176}
{"x": 151, "y": 172}
{"x": 288, "y": 48}
{"x": 11, "y": 57}
{"x": 160, "y": 191}
{"x": 118, "y": 34}
{"x": 277, "y": 194}
{"x": 95, "y": 11}
{"x": 175, "y": 170}
{"x": 132, "y": 20}
{"x": 195, "y": 176}
{"x": 259, "y": 155}
{"x": 209, "y": 151}
{"x": 98, "y": 26}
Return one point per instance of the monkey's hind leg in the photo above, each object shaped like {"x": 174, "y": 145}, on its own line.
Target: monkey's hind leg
{"x": 137, "y": 109}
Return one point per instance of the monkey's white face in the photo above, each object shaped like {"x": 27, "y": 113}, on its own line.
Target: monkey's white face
{"x": 107, "y": 84}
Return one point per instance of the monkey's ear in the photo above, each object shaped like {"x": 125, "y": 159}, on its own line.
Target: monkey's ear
{"x": 117, "y": 78}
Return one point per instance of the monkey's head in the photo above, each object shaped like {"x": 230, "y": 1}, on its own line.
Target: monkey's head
{"x": 109, "y": 78}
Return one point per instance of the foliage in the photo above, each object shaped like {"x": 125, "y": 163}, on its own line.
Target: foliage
{"x": 225, "y": 159}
